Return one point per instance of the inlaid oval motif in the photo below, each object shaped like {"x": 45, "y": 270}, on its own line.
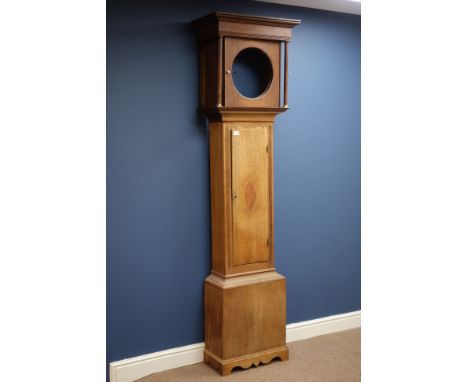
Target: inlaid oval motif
{"x": 250, "y": 194}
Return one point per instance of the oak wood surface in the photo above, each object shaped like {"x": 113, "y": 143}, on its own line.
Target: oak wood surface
{"x": 245, "y": 319}
{"x": 242, "y": 114}
{"x": 220, "y": 185}
{"x": 225, "y": 367}
{"x": 241, "y": 173}
{"x": 272, "y": 49}
{"x": 286, "y": 75}
{"x": 220, "y": 82}
{"x": 218, "y": 24}
{"x": 221, "y": 37}
{"x": 250, "y": 159}
{"x": 247, "y": 19}
{"x": 210, "y": 90}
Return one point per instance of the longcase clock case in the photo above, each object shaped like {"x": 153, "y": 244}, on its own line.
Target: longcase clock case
{"x": 245, "y": 298}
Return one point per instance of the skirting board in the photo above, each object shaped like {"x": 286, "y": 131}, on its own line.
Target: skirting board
{"x": 131, "y": 369}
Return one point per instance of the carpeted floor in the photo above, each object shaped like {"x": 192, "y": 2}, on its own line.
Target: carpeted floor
{"x": 331, "y": 358}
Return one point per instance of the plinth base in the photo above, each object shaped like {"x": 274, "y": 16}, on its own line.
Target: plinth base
{"x": 224, "y": 367}
{"x": 245, "y": 320}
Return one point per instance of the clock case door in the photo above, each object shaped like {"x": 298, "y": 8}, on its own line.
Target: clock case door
{"x": 251, "y": 195}
{"x": 272, "y": 50}
{"x": 244, "y": 243}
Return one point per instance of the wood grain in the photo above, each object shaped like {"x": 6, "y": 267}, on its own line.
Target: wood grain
{"x": 220, "y": 82}
{"x": 272, "y": 49}
{"x": 241, "y": 175}
{"x": 286, "y": 75}
{"x": 245, "y": 319}
{"x": 225, "y": 367}
{"x": 251, "y": 193}
{"x": 209, "y": 85}
{"x": 218, "y": 24}
{"x": 220, "y": 187}
{"x": 221, "y": 36}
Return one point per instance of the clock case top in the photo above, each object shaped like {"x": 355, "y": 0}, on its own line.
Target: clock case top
{"x": 221, "y": 37}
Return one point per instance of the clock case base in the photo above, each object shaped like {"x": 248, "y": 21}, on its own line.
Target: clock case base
{"x": 225, "y": 367}
{"x": 245, "y": 320}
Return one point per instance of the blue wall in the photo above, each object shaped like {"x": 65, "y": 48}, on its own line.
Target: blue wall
{"x": 158, "y": 225}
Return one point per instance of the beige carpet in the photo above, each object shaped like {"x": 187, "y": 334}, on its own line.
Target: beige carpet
{"x": 331, "y": 358}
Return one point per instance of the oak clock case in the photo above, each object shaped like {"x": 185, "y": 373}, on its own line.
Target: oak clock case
{"x": 242, "y": 87}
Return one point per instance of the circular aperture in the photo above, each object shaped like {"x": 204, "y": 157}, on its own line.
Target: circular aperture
{"x": 252, "y": 72}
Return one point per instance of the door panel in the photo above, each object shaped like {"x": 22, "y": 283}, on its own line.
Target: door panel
{"x": 271, "y": 98}
{"x": 251, "y": 193}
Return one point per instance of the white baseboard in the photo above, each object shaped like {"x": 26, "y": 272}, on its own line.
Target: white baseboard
{"x": 320, "y": 326}
{"x": 131, "y": 369}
